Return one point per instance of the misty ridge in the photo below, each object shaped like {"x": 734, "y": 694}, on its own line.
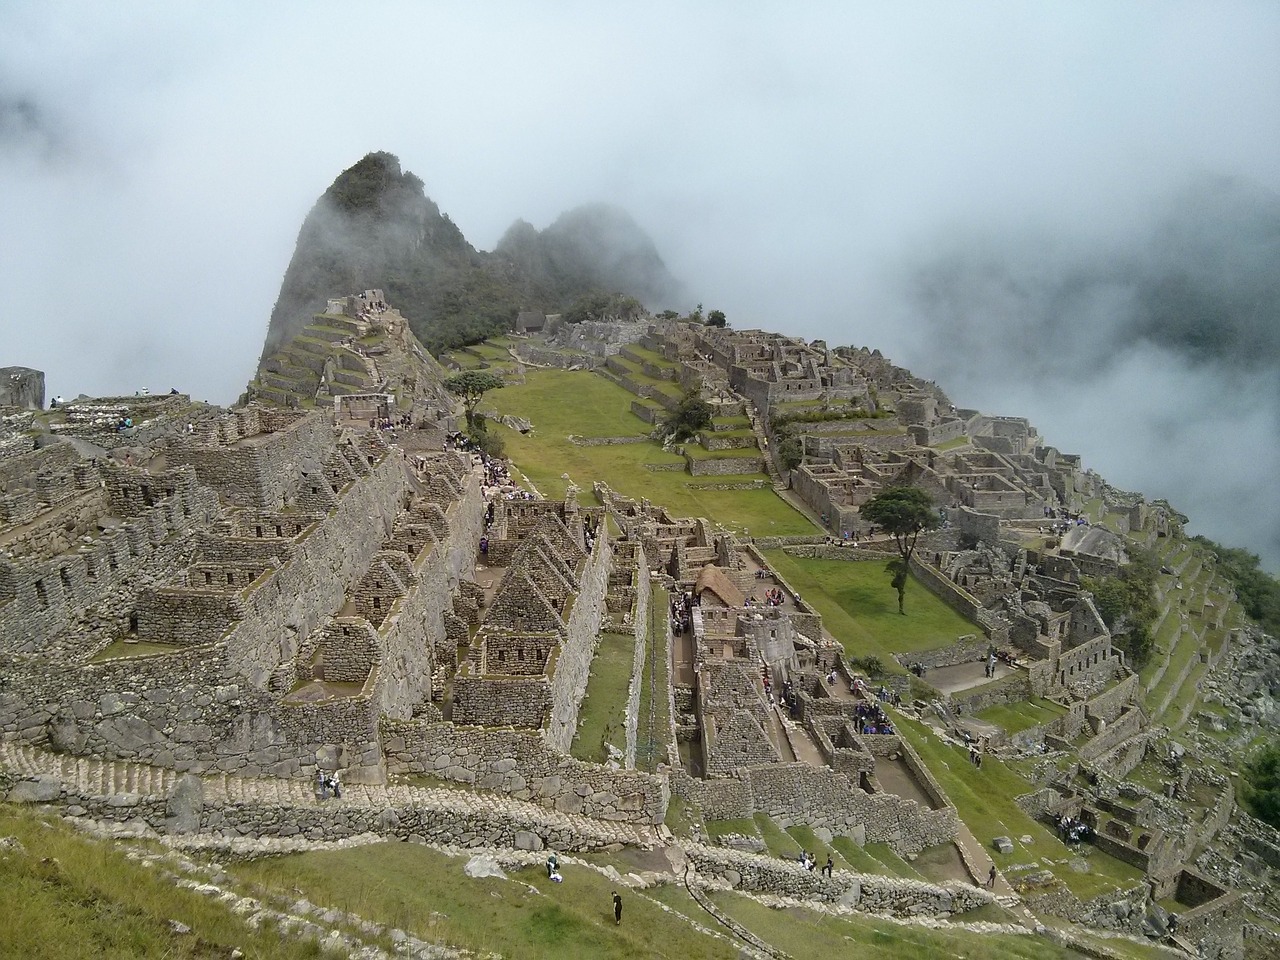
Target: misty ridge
{"x": 1158, "y": 348}
{"x": 376, "y": 227}
{"x": 1200, "y": 282}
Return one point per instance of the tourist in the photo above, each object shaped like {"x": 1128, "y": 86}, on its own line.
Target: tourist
{"x": 322, "y": 785}
{"x": 617, "y": 908}
{"x": 991, "y": 877}
{"x": 335, "y": 785}
{"x": 828, "y": 866}
{"x": 553, "y": 864}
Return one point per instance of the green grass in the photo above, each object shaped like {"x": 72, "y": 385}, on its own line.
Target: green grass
{"x": 426, "y": 893}
{"x": 603, "y": 715}
{"x": 984, "y": 798}
{"x": 779, "y": 842}
{"x": 596, "y": 407}
{"x": 1016, "y": 717}
{"x": 857, "y": 857}
{"x": 742, "y": 826}
{"x": 67, "y": 897}
{"x": 119, "y": 650}
{"x": 891, "y": 862}
{"x": 808, "y": 933}
{"x": 654, "y": 710}
{"x": 698, "y": 452}
{"x": 860, "y": 608}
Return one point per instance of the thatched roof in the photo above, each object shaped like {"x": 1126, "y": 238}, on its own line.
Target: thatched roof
{"x": 722, "y": 588}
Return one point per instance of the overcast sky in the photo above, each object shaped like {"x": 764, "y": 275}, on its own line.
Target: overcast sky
{"x": 798, "y": 166}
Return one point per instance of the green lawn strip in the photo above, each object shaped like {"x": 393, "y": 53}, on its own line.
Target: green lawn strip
{"x": 602, "y": 718}
{"x": 1187, "y": 693}
{"x": 653, "y": 711}
{"x": 699, "y": 452}
{"x": 651, "y": 356}
{"x": 561, "y": 402}
{"x": 1184, "y": 651}
{"x": 735, "y": 422}
{"x": 426, "y": 893}
{"x": 951, "y": 444}
{"x": 808, "y": 840}
{"x": 119, "y": 650}
{"x": 860, "y": 608}
{"x": 1015, "y": 717}
{"x": 67, "y": 897}
{"x": 984, "y": 798}
{"x": 780, "y": 844}
{"x": 893, "y": 863}
{"x": 857, "y": 857}
{"x": 742, "y": 826}
{"x": 1169, "y": 638}
{"x": 808, "y": 933}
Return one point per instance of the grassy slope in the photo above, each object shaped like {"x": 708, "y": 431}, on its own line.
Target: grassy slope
{"x": 528, "y": 916}
{"x": 66, "y": 897}
{"x": 984, "y": 798}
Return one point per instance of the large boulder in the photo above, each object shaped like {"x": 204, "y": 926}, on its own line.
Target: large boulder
{"x": 39, "y": 789}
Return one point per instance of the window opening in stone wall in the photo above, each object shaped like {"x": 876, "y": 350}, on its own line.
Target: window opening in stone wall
{"x": 133, "y": 622}
{"x": 231, "y": 577}
{"x": 208, "y": 577}
{"x": 258, "y": 530}
{"x": 279, "y": 531}
{"x": 66, "y": 579}
{"x": 41, "y": 597}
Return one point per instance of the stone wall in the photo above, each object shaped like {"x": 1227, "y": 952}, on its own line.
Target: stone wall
{"x": 521, "y": 764}
{"x": 41, "y": 599}
{"x": 796, "y": 793}
{"x": 261, "y": 469}
{"x": 573, "y": 666}
{"x": 1013, "y": 688}
{"x": 293, "y": 600}
{"x": 640, "y": 628}
{"x": 1128, "y": 724}
{"x": 872, "y": 893}
{"x": 726, "y": 466}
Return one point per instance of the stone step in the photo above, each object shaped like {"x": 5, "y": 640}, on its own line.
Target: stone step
{"x": 91, "y": 776}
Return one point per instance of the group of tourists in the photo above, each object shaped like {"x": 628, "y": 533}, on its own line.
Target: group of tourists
{"x": 1072, "y": 830}
{"x": 810, "y": 863}
{"x": 871, "y": 718}
{"x": 327, "y": 785}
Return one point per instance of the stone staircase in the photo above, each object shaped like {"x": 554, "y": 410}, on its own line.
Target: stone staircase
{"x": 762, "y": 442}
{"x": 95, "y": 777}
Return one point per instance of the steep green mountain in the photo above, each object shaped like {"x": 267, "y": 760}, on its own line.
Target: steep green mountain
{"x": 375, "y": 227}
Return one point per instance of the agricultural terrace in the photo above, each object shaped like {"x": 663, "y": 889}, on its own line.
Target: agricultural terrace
{"x": 600, "y": 408}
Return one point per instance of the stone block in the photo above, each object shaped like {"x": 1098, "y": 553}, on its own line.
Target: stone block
{"x": 1003, "y": 844}
{"x": 527, "y": 841}
{"x": 41, "y": 789}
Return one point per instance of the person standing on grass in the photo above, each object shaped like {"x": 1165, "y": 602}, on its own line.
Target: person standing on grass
{"x": 617, "y": 908}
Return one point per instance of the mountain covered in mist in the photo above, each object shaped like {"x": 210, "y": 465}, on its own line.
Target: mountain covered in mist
{"x": 375, "y": 227}
{"x": 1198, "y": 280}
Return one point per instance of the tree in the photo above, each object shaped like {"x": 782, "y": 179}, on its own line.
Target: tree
{"x": 1262, "y": 784}
{"x": 716, "y": 318}
{"x": 470, "y": 387}
{"x": 686, "y": 420}
{"x": 791, "y": 453}
{"x": 904, "y": 512}
{"x": 1127, "y": 606}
